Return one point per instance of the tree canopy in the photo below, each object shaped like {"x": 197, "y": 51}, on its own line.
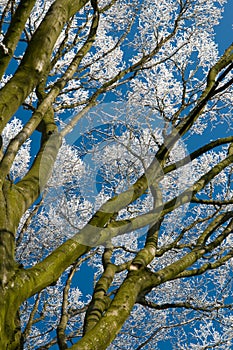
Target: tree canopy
{"x": 115, "y": 175}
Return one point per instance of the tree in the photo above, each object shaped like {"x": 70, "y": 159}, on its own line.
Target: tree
{"x": 155, "y": 230}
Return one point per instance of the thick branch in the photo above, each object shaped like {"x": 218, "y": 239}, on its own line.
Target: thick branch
{"x": 35, "y": 180}
{"x": 31, "y": 281}
{"x": 61, "y": 328}
{"x": 13, "y": 33}
{"x": 100, "y": 300}
{"x": 37, "y": 57}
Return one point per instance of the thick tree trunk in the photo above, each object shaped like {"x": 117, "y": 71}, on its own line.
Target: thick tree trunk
{"x": 10, "y": 330}
{"x": 10, "y": 216}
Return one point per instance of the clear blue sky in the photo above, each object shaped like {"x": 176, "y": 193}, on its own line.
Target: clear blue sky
{"x": 224, "y": 31}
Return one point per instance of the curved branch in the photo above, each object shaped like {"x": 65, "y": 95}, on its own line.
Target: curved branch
{"x": 61, "y": 337}
{"x": 212, "y": 201}
{"x": 37, "y": 57}
{"x": 186, "y": 305}
{"x": 13, "y": 33}
{"x": 96, "y": 234}
{"x": 224, "y": 61}
{"x": 197, "y": 153}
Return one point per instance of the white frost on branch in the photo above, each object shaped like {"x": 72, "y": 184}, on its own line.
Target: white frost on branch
{"x": 22, "y": 160}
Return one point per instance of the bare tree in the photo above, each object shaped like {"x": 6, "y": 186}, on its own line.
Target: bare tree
{"x": 158, "y": 232}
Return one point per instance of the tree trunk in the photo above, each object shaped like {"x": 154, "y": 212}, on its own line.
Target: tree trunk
{"x": 10, "y": 330}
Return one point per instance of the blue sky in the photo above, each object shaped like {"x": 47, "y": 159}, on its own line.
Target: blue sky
{"x": 224, "y": 31}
